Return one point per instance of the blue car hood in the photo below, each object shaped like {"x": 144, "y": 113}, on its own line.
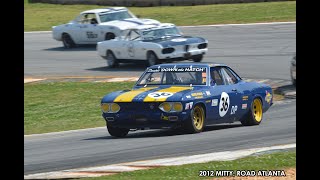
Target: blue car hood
{"x": 150, "y": 94}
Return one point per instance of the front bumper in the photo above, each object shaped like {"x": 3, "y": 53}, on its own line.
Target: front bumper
{"x": 56, "y": 35}
{"x": 145, "y": 117}
{"x": 180, "y": 55}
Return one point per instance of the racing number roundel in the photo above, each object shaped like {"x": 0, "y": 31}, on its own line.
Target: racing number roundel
{"x": 157, "y": 95}
{"x": 224, "y": 104}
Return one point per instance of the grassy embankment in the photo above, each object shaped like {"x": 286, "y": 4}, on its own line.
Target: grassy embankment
{"x": 274, "y": 161}
{"x": 41, "y": 17}
{"x": 60, "y": 106}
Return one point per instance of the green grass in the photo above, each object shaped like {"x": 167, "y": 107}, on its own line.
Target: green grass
{"x": 275, "y": 161}
{"x": 59, "y": 106}
{"x": 39, "y": 16}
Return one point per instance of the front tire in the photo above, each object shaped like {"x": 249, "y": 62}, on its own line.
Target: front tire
{"x": 67, "y": 41}
{"x": 195, "y": 123}
{"x": 111, "y": 60}
{"x": 152, "y": 59}
{"x": 117, "y": 132}
{"x": 255, "y": 114}
{"x": 198, "y": 58}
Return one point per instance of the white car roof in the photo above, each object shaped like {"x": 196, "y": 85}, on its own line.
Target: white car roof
{"x": 105, "y": 10}
{"x": 153, "y": 26}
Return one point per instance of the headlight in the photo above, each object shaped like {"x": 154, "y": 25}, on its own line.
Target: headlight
{"x": 114, "y": 108}
{"x": 177, "y": 106}
{"x": 166, "y": 107}
{"x": 171, "y": 107}
{"x": 110, "y": 107}
{"x": 105, "y": 107}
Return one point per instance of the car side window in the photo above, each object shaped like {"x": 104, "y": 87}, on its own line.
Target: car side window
{"x": 88, "y": 19}
{"x": 133, "y": 35}
{"x": 228, "y": 77}
{"x": 216, "y": 78}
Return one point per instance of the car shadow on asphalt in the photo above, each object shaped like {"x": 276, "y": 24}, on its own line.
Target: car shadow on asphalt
{"x": 78, "y": 48}
{"x": 288, "y": 91}
{"x": 122, "y": 67}
{"x": 166, "y": 132}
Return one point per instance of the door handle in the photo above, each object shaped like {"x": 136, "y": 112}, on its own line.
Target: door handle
{"x": 235, "y": 90}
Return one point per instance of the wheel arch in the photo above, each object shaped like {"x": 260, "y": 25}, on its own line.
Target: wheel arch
{"x": 109, "y": 33}
{"x": 73, "y": 39}
{"x": 109, "y": 50}
{"x": 202, "y": 104}
{"x": 259, "y": 97}
{"x": 151, "y": 51}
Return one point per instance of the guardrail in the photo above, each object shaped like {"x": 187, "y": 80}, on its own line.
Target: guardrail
{"x": 149, "y": 3}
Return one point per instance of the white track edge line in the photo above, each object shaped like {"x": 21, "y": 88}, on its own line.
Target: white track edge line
{"x": 63, "y": 132}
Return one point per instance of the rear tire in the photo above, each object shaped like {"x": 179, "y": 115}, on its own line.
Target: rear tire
{"x": 117, "y": 132}
{"x": 111, "y": 60}
{"x": 152, "y": 59}
{"x": 67, "y": 41}
{"x": 255, "y": 115}
{"x": 198, "y": 58}
{"x": 195, "y": 123}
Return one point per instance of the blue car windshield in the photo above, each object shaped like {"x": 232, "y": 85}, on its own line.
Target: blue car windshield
{"x": 120, "y": 15}
{"x": 179, "y": 76}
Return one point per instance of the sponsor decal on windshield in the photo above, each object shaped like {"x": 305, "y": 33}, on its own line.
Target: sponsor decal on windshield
{"x": 178, "y": 69}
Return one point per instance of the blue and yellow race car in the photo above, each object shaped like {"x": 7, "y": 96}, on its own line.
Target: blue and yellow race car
{"x": 187, "y": 96}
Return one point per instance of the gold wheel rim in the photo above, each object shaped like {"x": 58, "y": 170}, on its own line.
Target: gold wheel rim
{"x": 198, "y": 117}
{"x": 257, "y": 110}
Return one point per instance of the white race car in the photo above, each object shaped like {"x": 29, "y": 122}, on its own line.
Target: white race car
{"x": 152, "y": 44}
{"x": 97, "y": 25}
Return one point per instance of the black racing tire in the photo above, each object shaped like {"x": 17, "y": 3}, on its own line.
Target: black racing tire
{"x": 67, "y": 41}
{"x": 294, "y": 82}
{"x": 152, "y": 59}
{"x": 111, "y": 59}
{"x": 109, "y": 36}
{"x": 255, "y": 114}
{"x": 117, "y": 132}
{"x": 195, "y": 123}
{"x": 198, "y": 58}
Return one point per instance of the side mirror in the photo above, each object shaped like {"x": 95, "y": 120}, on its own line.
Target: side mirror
{"x": 212, "y": 83}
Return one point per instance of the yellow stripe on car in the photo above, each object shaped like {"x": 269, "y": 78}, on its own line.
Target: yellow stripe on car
{"x": 167, "y": 90}
{"x": 128, "y": 96}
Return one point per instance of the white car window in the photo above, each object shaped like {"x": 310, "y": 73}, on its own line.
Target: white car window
{"x": 87, "y": 18}
{"x": 133, "y": 35}
{"x": 120, "y": 15}
{"x": 161, "y": 32}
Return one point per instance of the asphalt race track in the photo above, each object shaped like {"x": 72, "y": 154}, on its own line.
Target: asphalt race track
{"x": 256, "y": 51}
